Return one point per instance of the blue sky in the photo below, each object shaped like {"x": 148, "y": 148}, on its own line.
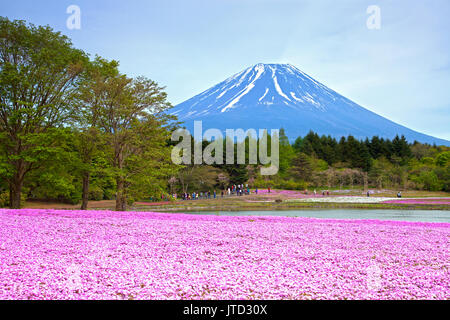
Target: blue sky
{"x": 401, "y": 71}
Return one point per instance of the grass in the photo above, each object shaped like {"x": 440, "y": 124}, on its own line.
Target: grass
{"x": 258, "y": 202}
{"x": 288, "y": 206}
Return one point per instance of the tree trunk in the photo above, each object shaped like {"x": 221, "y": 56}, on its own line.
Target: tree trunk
{"x": 366, "y": 182}
{"x": 121, "y": 201}
{"x": 15, "y": 194}
{"x": 405, "y": 181}
{"x": 85, "y": 192}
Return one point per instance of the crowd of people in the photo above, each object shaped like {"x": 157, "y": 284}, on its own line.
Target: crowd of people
{"x": 324, "y": 192}
{"x": 233, "y": 190}
{"x": 238, "y": 190}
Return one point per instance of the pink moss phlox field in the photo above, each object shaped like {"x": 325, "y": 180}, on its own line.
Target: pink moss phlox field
{"x": 294, "y": 193}
{"x": 288, "y": 193}
{"x": 50, "y": 254}
{"x": 277, "y": 191}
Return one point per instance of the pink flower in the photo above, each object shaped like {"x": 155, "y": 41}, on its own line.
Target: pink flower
{"x": 50, "y": 254}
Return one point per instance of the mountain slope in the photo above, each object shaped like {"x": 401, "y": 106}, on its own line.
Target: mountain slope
{"x": 277, "y": 96}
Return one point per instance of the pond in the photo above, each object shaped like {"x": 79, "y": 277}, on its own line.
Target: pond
{"x": 401, "y": 215}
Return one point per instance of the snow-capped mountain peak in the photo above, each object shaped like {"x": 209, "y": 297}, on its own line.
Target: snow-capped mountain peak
{"x": 281, "y": 95}
{"x": 268, "y": 84}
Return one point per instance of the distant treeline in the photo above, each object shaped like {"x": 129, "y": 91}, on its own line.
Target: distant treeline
{"x": 315, "y": 161}
{"x": 354, "y": 153}
{"x": 375, "y": 162}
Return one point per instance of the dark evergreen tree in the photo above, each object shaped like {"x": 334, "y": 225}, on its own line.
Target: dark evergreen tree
{"x": 301, "y": 167}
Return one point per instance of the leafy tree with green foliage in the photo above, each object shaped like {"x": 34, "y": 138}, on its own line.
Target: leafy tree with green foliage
{"x": 301, "y": 167}
{"x": 89, "y": 143}
{"x": 379, "y": 172}
{"x": 90, "y": 139}
{"x": 39, "y": 73}
{"x": 443, "y": 159}
{"x": 56, "y": 177}
{"x": 429, "y": 180}
{"x": 286, "y": 153}
{"x": 130, "y": 113}
{"x": 443, "y": 175}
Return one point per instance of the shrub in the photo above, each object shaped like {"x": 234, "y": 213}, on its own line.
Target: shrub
{"x": 95, "y": 193}
{"x": 430, "y": 181}
{"x": 291, "y": 185}
{"x": 130, "y": 201}
{"x": 4, "y": 199}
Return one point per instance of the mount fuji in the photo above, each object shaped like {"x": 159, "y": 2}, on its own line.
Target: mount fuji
{"x": 275, "y": 96}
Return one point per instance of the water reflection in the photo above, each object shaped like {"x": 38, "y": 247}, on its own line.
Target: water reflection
{"x": 401, "y": 215}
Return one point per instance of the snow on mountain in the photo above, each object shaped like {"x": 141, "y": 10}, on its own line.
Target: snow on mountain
{"x": 277, "y": 96}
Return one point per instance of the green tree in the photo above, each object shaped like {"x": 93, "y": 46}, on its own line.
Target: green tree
{"x": 39, "y": 73}
{"x": 286, "y": 152}
{"x": 90, "y": 136}
{"x": 443, "y": 159}
{"x": 379, "y": 172}
{"x": 443, "y": 174}
{"x": 430, "y": 181}
{"x": 55, "y": 178}
{"x": 88, "y": 144}
{"x": 301, "y": 167}
{"x": 297, "y": 146}
{"x": 130, "y": 112}
{"x": 401, "y": 148}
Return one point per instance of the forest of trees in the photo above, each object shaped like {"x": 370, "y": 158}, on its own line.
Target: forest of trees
{"x": 73, "y": 129}
{"x": 376, "y": 163}
{"x": 317, "y": 161}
